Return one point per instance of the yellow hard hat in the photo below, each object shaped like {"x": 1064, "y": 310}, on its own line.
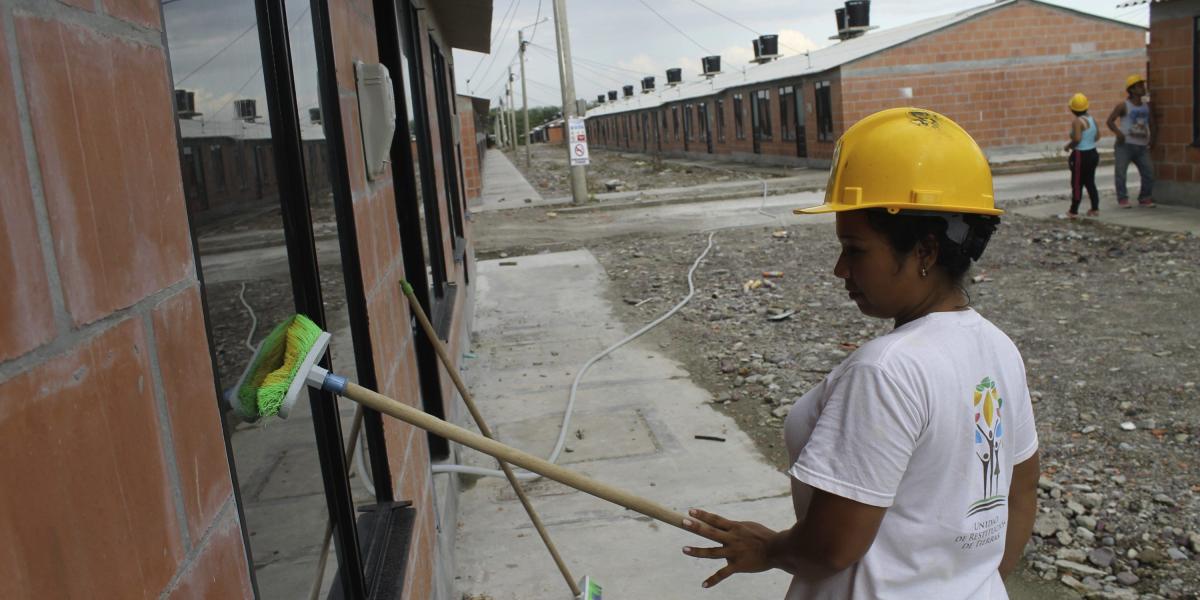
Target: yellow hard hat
{"x": 908, "y": 159}
{"x": 1079, "y": 103}
{"x": 1133, "y": 80}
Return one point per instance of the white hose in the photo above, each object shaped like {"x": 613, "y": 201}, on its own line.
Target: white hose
{"x": 253, "y": 318}
{"x": 566, "y": 422}
{"x": 361, "y": 467}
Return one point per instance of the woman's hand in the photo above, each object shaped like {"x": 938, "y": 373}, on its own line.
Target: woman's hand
{"x": 746, "y": 546}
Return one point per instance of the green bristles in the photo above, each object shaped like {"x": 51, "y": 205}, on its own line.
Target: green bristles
{"x": 274, "y": 366}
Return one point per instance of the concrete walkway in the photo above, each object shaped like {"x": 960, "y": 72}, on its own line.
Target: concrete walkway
{"x": 1180, "y": 219}
{"x": 634, "y": 426}
{"x": 504, "y": 186}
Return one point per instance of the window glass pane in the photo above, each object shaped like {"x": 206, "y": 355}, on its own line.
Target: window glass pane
{"x": 426, "y": 188}
{"x": 234, "y": 204}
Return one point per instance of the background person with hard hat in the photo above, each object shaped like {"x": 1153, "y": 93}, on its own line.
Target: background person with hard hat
{"x": 1084, "y": 157}
{"x": 915, "y": 461}
{"x": 1133, "y": 123}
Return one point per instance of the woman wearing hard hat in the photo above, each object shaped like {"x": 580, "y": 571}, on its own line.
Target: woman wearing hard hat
{"x": 914, "y": 463}
{"x": 1084, "y": 157}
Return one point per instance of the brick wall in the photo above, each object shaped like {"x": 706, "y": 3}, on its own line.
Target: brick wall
{"x": 471, "y": 157}
{"x": 382, "y": 266}
{"x": 1170, "y": 75}
{"x": 775, "y": 148}
{"x": 116, "y": 479}
{"x": 1004, "y": 93}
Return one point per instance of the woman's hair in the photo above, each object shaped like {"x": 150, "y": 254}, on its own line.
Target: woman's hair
{"x": 1079, "y": 113}
{"x": 905, "y": 230}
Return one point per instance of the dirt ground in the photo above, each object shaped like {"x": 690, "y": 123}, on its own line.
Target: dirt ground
{"x": 1104, "y": 316}
{"x": 548, "y": 174}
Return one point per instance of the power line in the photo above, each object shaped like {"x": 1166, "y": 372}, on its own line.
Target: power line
{"x": 536, "y": 19}
{"x": 492, "y": 63}
{"x": 597, "y": 63}
{"x": 746, "y": 27}
{"x": 486, "y": 90}
{"x": 259, "y": 69}
{"x": 668, "y": 22}
{"x": 491, "y": 50}
{"x": 585, "y": 69}
{"x": 218, "y": 53}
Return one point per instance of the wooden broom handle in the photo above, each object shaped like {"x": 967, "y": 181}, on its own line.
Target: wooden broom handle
{"x": 508, "y": 454}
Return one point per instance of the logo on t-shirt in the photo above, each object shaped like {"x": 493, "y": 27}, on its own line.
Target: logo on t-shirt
{"x": 989, "y": 430}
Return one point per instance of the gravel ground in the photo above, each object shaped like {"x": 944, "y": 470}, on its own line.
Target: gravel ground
{"x": 549, "y": 173}
{"x": 1105, "y": 317}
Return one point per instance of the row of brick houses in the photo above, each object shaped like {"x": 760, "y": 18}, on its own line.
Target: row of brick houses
{"x": 1004, "y": 71}
{"x": 120, "y": 478}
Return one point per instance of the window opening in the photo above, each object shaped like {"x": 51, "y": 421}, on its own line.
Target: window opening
{"x": 243, "y": 119}
{"x": 762, "y": 122}
{"x": 720, "y": 120}
{"x": 787, "y": 113}
{"x": 739, "y": 124}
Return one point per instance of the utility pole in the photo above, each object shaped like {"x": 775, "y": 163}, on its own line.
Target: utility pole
{"x": 524, "y": 96}
{"x": 503, "y": 116}
{"x": 567, "y": 80}
{"x": 512, "y": 109}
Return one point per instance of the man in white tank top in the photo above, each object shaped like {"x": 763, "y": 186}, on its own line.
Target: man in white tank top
{"x": 1132, "y": 121}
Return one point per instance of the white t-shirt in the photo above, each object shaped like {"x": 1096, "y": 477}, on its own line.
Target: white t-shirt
{"x": 928, "y": 422}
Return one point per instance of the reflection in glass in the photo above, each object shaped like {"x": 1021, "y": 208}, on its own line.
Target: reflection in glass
{"x": 233, "y": 197}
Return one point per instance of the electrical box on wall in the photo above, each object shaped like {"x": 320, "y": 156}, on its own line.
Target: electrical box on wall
{"x": 376, "y": 114}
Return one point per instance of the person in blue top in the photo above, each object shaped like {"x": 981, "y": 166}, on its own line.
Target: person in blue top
{"x": 1133, "y": 123}
{"x": 1084, "y": 158}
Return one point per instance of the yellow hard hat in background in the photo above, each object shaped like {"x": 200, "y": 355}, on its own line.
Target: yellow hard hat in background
{"x": 908, "y": 159}
{"x": 1133, "y": 80}
{"x": 1079, "y": 103}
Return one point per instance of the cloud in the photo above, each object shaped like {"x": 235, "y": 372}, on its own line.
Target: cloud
{"x": 793, "y": 42}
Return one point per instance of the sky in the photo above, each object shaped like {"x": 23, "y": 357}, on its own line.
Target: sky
{"x": 617, "y": 42}
{"x": 215, "y": 52}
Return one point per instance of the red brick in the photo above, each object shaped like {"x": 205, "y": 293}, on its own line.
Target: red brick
{"x": 25, "y": 306}
{"x": 109, "y": 165}
{"x": 141, "y": 12}
{"x": 85, "y": 485}
{"x": 185, "y": 366}
{"x": 220, "y": 570}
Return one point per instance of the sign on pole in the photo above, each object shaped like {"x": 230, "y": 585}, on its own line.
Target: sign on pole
{"x": 577, "y": 139}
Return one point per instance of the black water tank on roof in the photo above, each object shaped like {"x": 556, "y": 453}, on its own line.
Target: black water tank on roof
{"x": 757, "y": 49}
{"x": 628, "y": 90}
{"x": 711, "y": 64}
{"x": 648, "y": 83}
{"x": 858, "y": 13}
{"x": 840, "y": 14}
{"x": 600, "y": 99}
{"x": 612, "y": 94}
{"x": 768, "y": 45}
{"x": 674, "y": 75}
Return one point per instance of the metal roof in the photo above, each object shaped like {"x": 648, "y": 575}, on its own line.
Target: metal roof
{"x": 816, "y": 61}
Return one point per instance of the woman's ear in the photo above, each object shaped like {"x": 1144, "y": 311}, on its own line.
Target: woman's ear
{"x": 927, "y": 251}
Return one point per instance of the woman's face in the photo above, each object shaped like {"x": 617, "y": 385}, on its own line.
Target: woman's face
{"x": 883, "y": 284}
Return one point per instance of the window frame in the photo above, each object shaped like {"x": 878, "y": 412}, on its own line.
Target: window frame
{"x": 762, "y": 99}
{"x": 739, "y": 122}
{"x": 787, "y": 106}
{"x": 675, "y": 121}
{"x": 720, "y": 124}
{"x": 823, "y": 98}
{"x": 1196, "y": 81}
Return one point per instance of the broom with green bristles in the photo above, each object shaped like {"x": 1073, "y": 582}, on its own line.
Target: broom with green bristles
{"x": 286, "y": 362}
